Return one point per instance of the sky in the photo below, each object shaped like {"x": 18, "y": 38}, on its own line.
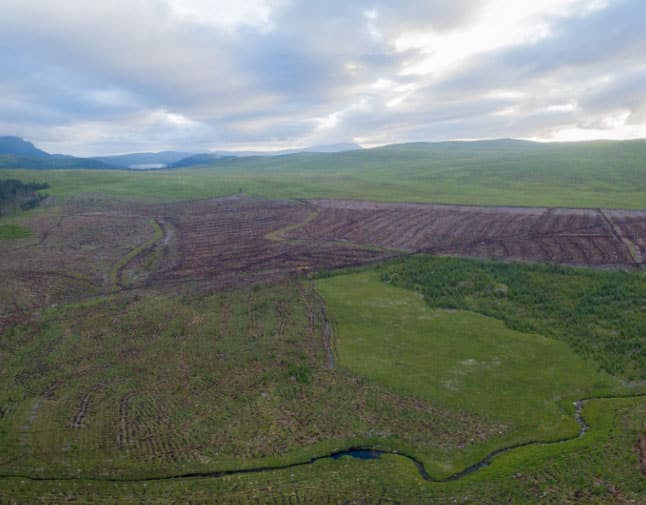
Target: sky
{"x": 117, "y": 76}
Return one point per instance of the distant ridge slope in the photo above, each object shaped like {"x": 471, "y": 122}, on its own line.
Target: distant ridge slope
{"x": 16, "y": 152}
{"x": 206, "y": 158}
{"x": 19, "y": 153}
{"x": 19, "y": 147}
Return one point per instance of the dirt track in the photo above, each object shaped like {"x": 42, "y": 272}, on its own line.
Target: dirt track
{"x": 641, "y": 448}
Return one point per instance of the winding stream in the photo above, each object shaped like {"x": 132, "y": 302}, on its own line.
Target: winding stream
{"x": 363, "y": 453}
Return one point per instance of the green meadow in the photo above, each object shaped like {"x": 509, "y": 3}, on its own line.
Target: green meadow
{"x": 590, "y": 174}
{"x": 600, "y": 315}
{"x": 461, "y": 360}
{"x": 12, "y": 232}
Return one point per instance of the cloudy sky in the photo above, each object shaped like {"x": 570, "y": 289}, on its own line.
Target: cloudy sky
{"x": 113, "y": 76}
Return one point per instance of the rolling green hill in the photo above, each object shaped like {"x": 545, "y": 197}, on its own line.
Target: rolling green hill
{"x": 502, "y": 172}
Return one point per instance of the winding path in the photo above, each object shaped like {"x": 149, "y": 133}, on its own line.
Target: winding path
{"x": 162, "y": 235}
{"x": 357, "y": 452}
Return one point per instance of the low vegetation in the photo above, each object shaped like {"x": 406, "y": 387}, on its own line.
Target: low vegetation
{"x": 115, "y": 274}
{"x": 141, "y": 342}
{"x": 459, "y": 360}
{"x": 12, "y": 232}
{"x": 163, "y": 384}
{"x": 602, "y": 468}
{"x": 600, "y": 315}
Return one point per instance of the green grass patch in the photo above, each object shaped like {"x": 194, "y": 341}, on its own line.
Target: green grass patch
{"x": 458, "y": 359}
{"x": 600, "y": 315}
{"x": 12, "y": 232}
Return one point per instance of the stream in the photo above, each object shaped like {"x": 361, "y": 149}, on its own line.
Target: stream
{"x": 364, "y": 453}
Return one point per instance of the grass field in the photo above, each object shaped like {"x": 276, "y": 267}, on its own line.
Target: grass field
{"x": 597, "y": 174}
{"x": 12, "y": 232}
{"x": 602, "y": 468}
{"x": 599, "y": 314}
{"x": 140, "y": 386}
{"x": 461, "y": 360}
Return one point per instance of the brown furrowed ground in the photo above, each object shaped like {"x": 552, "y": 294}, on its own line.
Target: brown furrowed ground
{"x": 586, "y": 237}
{"x": 219, "y": 237}
{"x": 91, "y": 247}
{"x": 70, "y": 255}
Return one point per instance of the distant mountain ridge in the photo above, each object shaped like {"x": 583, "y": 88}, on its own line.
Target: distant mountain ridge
{"x": 18, "y": 147}
{"x": 19, "y": 153}
{"x": 16, "y": 152}
{"x": 179, "y": 159}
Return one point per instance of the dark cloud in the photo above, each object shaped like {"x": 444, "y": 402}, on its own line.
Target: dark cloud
{"x": 612, "y": 36}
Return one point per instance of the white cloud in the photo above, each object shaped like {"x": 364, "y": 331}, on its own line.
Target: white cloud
{"x": 371, "y": 14}
{"x": 173, "y": 119}
{"x": 502, "y": 23}
{"x": 507, "y": 111}
{"x": 111, "y": 98}
{"x": 505, "y": 94}
{"x": 225, "y": 14}
{"x": 371, "y": 18}
{"x": 561, "y": 107}
{"x": 329, "y": 121}
{"x": 613, "y": 126}
{"x": 382, "y": 83}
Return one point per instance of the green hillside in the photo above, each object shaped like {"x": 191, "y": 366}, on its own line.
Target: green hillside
{"x": 502, "y": 172}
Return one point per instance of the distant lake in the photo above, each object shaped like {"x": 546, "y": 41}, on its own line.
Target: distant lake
{"x": 147, "y": 166}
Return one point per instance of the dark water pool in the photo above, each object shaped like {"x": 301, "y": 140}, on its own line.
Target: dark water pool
{"x": 358, "y": 453}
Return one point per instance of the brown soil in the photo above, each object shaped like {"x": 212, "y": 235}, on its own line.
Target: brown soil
{"x": 232, "y": 242}
{"x": 219, "y": 237}
{"x": 588, "y": 237}
{"x": 641, "y": 448}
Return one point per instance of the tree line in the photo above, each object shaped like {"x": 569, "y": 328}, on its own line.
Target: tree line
{"x": 16, "y": 195}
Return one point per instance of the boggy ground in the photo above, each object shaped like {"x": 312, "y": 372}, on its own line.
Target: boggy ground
{"x": 600, "y": 469}
{"x": 101, "y": 397}
{"x": 145, "y": 340}
{"x": 157, "y": 384}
